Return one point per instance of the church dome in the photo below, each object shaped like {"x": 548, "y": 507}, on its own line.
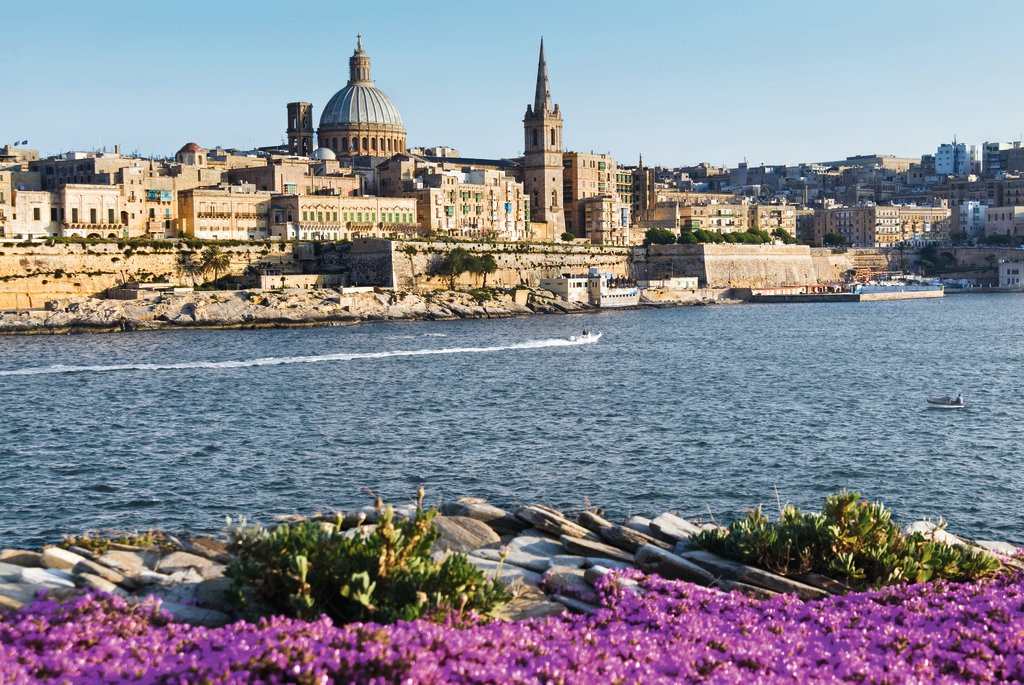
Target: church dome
{"x": 323, "y": 153}
{"x": 360, "y": 119}
{"x": 359, "y": 103}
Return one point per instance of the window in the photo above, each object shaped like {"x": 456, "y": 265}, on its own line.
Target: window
{"x": 92, "y": 216}
{"x": 110, "y": 216}
{"x": 74, "y": 215}
{"x": 35, "y": 214}
{"x": 53, "y": 213}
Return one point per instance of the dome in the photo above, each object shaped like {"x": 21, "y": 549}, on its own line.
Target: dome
{"x": 360, "y": 103}
{"x": 323, "y": 153}
{"x": 190, "y": 147}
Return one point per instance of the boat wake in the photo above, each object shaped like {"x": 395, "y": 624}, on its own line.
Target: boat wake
{"x": 278, "y": 361}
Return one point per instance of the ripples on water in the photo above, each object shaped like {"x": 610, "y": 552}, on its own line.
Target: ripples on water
{"x": 702, "y": 410}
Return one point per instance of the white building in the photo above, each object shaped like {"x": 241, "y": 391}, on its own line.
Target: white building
{"x": 971, "y": 219}
{"x": 1010, "y": 274}
{"x": 957, "y": 159}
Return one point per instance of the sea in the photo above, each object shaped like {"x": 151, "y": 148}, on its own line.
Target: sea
{"x": 706, "y": 411}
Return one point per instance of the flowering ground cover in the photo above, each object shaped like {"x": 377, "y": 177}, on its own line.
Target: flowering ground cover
{"x": 666, "y": 632}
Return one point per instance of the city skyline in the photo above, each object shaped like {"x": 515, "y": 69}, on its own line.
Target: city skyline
{"x": 676, "y": 83}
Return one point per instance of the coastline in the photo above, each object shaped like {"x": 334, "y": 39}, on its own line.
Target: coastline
{"x": 251, "y": 309}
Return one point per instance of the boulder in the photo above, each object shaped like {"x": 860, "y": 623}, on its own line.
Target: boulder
{"x": 463, "y": 534}
{"x": 128, "y": 563}
{"x": 671, "y": 527}
{"x": 571, "y": 582}
{"x": 500, "y": 520}
{"x": 194, "y": 615}
{"x": 551, "y": 521}
{"x": 751, "y": 575}
{"x": 529, "y": 602}
{"x": 46, "y": 577}
{"x": 532, "y": 551}
{"x": 589, "y": 548}
{"x": 102, "y": 584}
{"x": 9, "y": 571}
{"x": 653, "y": 559}
{"x": 21, "y": 558}
{"x": 182, "y": 561}
{"x": 108, "y": 574}
{"x": 16, "y": 595}
{"x": 619, "y": 536}
{"x": 212, "y": 549}
{"x": 574, "y": 605}
{"x": 506, "y": 573}
{"x": 213, "y": 594}
{"x": 61, "y": 559}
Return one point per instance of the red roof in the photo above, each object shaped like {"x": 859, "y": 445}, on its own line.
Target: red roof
{"x": 190, "y": 147}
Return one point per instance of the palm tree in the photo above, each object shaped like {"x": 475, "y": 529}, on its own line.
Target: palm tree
{"x": 187, "y": 266}
{"x": 215, "y": 260}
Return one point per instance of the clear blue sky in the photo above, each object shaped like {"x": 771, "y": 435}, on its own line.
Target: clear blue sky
{"x": 679, "y": 82}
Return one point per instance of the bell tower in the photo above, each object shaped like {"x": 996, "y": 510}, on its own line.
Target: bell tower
{"x": 300, "y": 129}
{"x": 542, "y": 158}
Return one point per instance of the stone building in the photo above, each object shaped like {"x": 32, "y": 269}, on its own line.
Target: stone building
{"x": 584, "y": 176}
{"x": 882, "y": 225}
{"x": 300, "y": 129}
{"x": 299, "y": 176}
{"x": 606, "y": 220}
{"x": 237, "y": 212}
{"x": 360, "y": 119}
{"x": 339, "y": 217}
{"x": 92, "y": 211}
{"x": 772, "y": 216}
{"x": 542, "y": 157}
{"x": 1004, "y": 221}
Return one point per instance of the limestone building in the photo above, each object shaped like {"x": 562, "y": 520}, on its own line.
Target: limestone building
{"x": 225, "y": 213}
{"x": 339, "y": 217}
{"x": 542, "y": 156}
{"x": 360, "y": 119}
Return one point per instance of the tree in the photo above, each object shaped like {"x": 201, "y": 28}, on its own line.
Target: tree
{"x": 834, "y": 240}
{"x": 188, "y": 267}
{"x": 568, "y": 237}
{"x": 659, "y": 236}
{"x": 215, "y": 260}
{"x": 454, "y": 264}
{"x": 485, "y": 264}
{"x": 783, "y": 235}
{"x": 688, "y": 238}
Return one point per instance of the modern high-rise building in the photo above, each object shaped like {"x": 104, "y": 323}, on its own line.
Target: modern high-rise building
{"x": 542, "y": 158}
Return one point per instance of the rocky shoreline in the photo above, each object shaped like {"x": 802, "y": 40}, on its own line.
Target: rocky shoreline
{"x": 274, "y": 308}
{"x": 550, "y": 560}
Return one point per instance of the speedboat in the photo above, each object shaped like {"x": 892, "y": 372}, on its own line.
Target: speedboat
{"x": 587, "y": 337}
{"x": 946, "y": 402}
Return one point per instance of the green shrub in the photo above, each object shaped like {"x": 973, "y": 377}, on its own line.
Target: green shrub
{"x": 385, "y": 575}
{"x": 851, "y": 540}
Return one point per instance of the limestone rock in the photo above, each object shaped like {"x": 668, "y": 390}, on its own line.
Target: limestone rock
{"x": 571, "y": 582}
{"x": 128, "y": 563}
{"x": 101, "y": 584}
{"x": 653, "y": 559}
{"x": 589, "y": 548}
{"x": 61, "y": 559}
{"x": 574, "y": 605}
{"x": 21, "y": 558}
{"x": 616, "y": 535}
{"x": 500, "y": 520}
{"x": 551, "y": 521}
{"x": 212, "y": 549}
{"x": 213, "y": 594}
{"x": 16, "y": 595}
{"x": 671, "y": 527}
{"x": 529, "y": 602}
{"x": 9, "y": 571}
{"x": 463, "y": 534}
{"x": 507, "y": 574}
{"x": 194, "y": 615}
{"x": 532, "y": 551}
{"x": 182, "y": 561}
{"x": 108, "y": 574}
{"x": 46, "y": 577}
{"x": 751, "y": 575}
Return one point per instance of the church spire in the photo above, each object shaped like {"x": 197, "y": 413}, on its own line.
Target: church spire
{"x": 542, "y": 99}
{"x": 359, "y": 64}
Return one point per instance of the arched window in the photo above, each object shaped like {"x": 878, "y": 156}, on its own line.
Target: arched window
{"x": 554, "y": 198}
{"x": 334, "y": 143}
{"x": 389, "y": 145}
{"x": 355, "y": 144}
{"x": 344, "y": 144}
{"x": 366, "y": 145}
{"x": 535, "y": 138}
{"x": 553, "y": 143}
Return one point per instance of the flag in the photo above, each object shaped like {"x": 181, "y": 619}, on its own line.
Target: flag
{"x": 16, "y": 143}
{"x": 24, "y": 142}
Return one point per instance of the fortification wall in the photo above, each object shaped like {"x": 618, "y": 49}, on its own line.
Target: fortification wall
{"x": 32, "y": 275}
{"x": 413, "y": 265}
{"x": 729, "y": 265}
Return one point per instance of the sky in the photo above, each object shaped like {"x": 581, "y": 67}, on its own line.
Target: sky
{"x": 767, "y": 82}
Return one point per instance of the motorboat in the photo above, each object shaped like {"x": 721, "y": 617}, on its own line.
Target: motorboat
{"x": 946, "y": 402}
{"x": 587, "y": 337}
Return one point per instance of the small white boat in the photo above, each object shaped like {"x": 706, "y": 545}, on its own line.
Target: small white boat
{"x": 946, "y": 402}
{"x": 587, "y": 337}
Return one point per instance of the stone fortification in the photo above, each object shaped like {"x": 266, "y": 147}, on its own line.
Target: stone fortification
{"x": 746, "y": 266}
{"x": 31, "y": 276}
{"x": 413, "y": 265}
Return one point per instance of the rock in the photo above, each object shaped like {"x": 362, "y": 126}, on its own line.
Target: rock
{"x": 653, "y": 559}
{"x": 108, "y": 574}
{"x": 16, "y": 595}
{"x": 194, "y": 615}
{"x": 671, "y": 527}
{"x": 21, "y": 558}
{"x": 567, "y": 581}
{"x": 589, "y": 548}
{"x": 213, "y": 594}
{"x": 129, "y": 564}
{"x": 575, "y": 605}
{"x": 551, "y": 521}
{"x": 529, "y": 602}
{"x": 82, "y": 552}
{"x": 751, "y": 575}
{"x": 642, "y": 524}
{"x": 463, "y": 534}
{"x": 749, "y": 590}
{"x": 616, "y": 535}
{"x": 569, "y": 561}
{"x": 46, "y": 577}
{"x": 61, "y": 559}
{"x": 101, "y": 584}
{"x": 608, "y": 563}
{"x": 997, "y": 547}
{"x": 182, "y": 561}
{"x": 530, "y": 551}
{"x": 9, "y": 571}
{"x": 502, "y": 522}
{"x": 508, "y": 573}
{"x": 214, "y": 550}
